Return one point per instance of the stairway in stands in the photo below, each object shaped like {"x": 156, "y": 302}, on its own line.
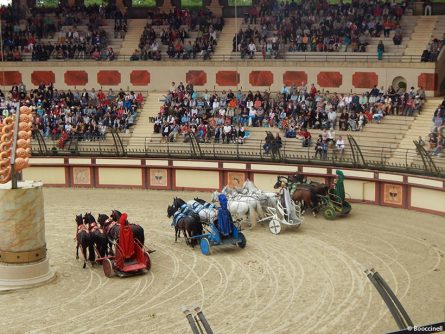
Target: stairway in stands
{"x": 132, "y": 38}
{"x": 421, "y": 35}
{"x": 421, "y": 126}
{"x": 225, "y": 37}
{"x": 143, "y": 130}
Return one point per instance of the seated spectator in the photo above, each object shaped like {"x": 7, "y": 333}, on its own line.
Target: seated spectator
{"x": 306, "y": 137}
{"x": 136, "y": 55}
{"x": 437, "y": 151}
{"x": 340, "y": 146}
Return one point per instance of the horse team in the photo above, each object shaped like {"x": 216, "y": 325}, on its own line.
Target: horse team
{"x": 96, "y": 238}
{"x": 245, "y": 204}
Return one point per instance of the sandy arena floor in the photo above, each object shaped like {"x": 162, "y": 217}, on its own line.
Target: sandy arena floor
{"x": 309, "y": 280}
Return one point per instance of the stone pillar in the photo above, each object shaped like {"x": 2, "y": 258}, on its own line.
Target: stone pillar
{"x": 23, "y": 260}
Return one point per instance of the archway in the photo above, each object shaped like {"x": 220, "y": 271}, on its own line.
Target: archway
{"x": 399, "y": 83}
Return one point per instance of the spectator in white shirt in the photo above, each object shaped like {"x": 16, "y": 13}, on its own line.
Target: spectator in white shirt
{"x": 251, "y": 49}
{"x": 340, "y": 146}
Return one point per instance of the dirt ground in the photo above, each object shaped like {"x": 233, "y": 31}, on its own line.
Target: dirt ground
{"x": 308, "y": 280}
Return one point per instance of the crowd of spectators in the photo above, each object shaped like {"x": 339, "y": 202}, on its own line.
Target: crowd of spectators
{"x": 433, "y": 49}
{"x": 24, "y": 37}
{"x": 295, "y": 110}
{"x": 75, "y": 45}
{"x": 436, "y": 138}
{"x": 68, "y": 115}
{"x": 209, "y": 116}
{"x": 317, "y": 26}
{"x": 176, "y": 28}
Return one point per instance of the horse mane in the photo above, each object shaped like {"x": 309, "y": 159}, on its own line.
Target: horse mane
{"x": 89, "y": 218}
{"x": 171, "y": 209}
{"x": 79, "y": 219}
{"x": 178, "y": 202}
{"x": 199, "y": 200}
{"x": 101, "y": 218}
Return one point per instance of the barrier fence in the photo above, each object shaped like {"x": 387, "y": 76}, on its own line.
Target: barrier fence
{"x": 287, "y": 56}
{"x": 374, "y": 157}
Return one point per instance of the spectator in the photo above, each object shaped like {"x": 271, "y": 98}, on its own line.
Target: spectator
{"x": 439, "y": 146}
{"x": 340, "y": 146}
{"x": 427, "y": 7}
{"x": 306, "y": 137}
{"x": 380, "y": 50}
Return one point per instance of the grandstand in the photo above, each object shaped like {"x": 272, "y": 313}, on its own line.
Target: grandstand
{"x": 342, "y": 71}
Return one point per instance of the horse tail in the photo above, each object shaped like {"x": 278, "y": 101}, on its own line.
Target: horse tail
{"x": 91, "y": 252}
{"x": 84, "y": 243}
{"x": 138, "y": 232}
{"x": 259, "y": 209}
{"x": 141, "y": 236}
{"x": 196, "y": 229}
{"x": 253, "y": 214}
{"x": 314, "y": 198}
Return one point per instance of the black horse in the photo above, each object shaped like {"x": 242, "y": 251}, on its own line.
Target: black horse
{"x": 200, "y": 201}
{"x": 190, "y": 225}
{"x": 84, "y": 242}
{"x": 97, "y": 234}
{"x": 179, "y": 203}
{"x": 112, "y": 228}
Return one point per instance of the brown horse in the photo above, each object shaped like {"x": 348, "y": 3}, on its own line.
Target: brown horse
{"x": 305, "y": 194}
{"x": 84, "y": 241}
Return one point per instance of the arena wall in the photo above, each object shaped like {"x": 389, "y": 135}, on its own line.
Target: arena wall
{"x": 380, "y": 188}
{"x": 341, "y": 76}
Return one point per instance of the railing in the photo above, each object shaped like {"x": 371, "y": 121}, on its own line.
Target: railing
{"x": 375, "y": 157}
{"x": 288, "y": 56}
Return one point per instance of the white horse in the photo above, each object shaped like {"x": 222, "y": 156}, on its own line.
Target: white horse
{"x": 240, "y": 206}
{"x": 266, "y": 199}
{"x": 207, "y": 215}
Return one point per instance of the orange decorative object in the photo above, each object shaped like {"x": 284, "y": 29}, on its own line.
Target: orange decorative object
{"x": 24, "y": 135}
{"x": 25, "y": 118}
{"x": 21, "y": 153}
{"x": 23, "y": 150}
{"x": 20, "y": 163}
{"x": 24, "y": 126}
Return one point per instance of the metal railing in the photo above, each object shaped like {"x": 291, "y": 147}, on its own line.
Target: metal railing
{"x": 375, "y": 157}
{"x": 284, "y": 57}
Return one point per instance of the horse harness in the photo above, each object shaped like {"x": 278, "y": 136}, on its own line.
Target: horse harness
{"x": 80, "y": 229}
{"x": 177, "y": 217}
{"x": 94, "y": 227}
{"x": 108, "y": 225}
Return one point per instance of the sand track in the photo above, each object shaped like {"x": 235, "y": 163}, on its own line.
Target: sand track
{"x": 309, "y": 280}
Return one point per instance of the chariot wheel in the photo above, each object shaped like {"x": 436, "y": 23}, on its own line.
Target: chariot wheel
{"x": 243, "y": 241}
{"x": 329, "y": 213}
{"x": 205, "y": 246}
{"x": 107, "y": 266}
{"x": 275, "y": 226}
{"x": 147, "y": 260}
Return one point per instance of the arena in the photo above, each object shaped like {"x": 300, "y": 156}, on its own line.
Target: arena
{"x": 320, "y": 122}
{"x": 309, "y": 280}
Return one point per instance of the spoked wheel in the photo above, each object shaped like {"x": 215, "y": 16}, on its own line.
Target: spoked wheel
{"x": 107, "y": 265}
{"x": 329, "y": 213}
{"x": 147, "y": 260}
{"x": 205, "y": 246}
{"x": 242, "y": 243}
{"x": 275, "y": 226}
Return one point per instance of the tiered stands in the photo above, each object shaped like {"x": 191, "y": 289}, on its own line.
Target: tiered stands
{"x": 59, "y": 36}
{"x": 421, "y": 35}
{"x": 377, "y": 141}
{"x": 135, "y": 29}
